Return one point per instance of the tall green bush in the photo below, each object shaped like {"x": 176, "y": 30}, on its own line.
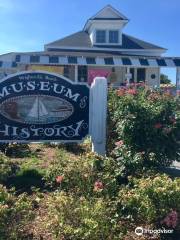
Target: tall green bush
{"x": 147, "y": 121}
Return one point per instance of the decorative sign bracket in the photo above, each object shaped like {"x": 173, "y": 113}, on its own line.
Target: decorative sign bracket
{"x": 38, "y": 106}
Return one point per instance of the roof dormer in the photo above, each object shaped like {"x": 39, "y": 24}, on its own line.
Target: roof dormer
{"x": 105, "y": 27}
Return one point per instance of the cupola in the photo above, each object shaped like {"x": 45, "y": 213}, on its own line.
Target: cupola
{"x": 105, "y": 27}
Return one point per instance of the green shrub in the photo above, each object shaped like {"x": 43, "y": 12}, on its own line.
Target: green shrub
{"x": 150, "y": 200}
{"x": 3, "y": 147}
{"x": 71, "y": 217}
{"x": 129, "y": 163}
{"x": 79, "y": 175}
{"x": 69, "y": 173}
{"x": 15, "y": 213}
{"x": 7, "y": 168}
{"x": 147, "y": 121}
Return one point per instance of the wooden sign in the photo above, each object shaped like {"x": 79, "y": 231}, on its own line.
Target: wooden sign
{"x": 38, "y": 106}
{"x": 42, "y": 107}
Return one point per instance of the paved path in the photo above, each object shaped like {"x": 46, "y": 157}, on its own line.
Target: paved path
{"x": 173, "y": 171}
{"x": 176, "y": 165}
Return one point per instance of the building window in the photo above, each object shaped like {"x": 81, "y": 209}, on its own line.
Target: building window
{"x": 18, "y": 58}
{"x": 100, "y": 36}
{"x": 82, "y": 73}
{"x": 113, "y": 36}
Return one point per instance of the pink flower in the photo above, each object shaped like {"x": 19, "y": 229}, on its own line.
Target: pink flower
{"x": 132, "y": 91}
{"x": 171, "y": 219}
{"x": 120, "y": 92}
{"x": 98, "y": 186}
{"x": 158, "y": 125}
{"x": 59, "y": 179}
{"x": 119, "y": 143}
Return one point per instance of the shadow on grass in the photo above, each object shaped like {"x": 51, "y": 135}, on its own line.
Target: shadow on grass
{"x": 19, "y": 151}
{"x": 171, "y": 171}
{"x": 26, "y": 180}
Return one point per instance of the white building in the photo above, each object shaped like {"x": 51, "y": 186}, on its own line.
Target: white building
{"x": 100, "y": 49}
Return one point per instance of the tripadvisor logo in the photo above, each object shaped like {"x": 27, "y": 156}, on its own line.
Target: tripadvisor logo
{"x": 139, "y": 231}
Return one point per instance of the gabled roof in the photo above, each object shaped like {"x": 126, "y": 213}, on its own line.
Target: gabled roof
{"x": 108, "y": 13}
{"x": 78, "y": 39}
{"x": 82, "y": 40}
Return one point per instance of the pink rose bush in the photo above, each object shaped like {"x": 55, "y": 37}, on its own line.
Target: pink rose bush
{"x": 144, "y": 119}
{"x": 171, "y": 220}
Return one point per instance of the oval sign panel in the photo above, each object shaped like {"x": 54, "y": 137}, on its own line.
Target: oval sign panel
{"x": 35, "y": 109}
{"x": 41, "y": 106}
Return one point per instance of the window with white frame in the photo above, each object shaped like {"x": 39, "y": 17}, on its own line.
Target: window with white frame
{"x": 113, "y": 36}
{"x": 107, "y": 36}
{"x": 100, "y": 36}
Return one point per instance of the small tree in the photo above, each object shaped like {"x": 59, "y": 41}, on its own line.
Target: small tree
{"x": 164, "y": 79}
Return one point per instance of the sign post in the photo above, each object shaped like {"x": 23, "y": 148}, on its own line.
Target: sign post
{"x": 98, "y": 112}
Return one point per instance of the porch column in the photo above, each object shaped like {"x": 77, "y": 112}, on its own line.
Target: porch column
{"x": 76, "y": 73}
{"x": 178, "y": 81}
{"x": 128, "y": 75}
{"x": 135, "y": 75}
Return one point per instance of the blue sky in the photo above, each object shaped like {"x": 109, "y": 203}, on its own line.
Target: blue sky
{"x": 28, "y": 25}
